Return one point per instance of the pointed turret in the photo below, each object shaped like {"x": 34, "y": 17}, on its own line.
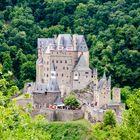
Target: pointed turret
{"x": 109, "y": 88}
{"x": 109, "y": 82}
{"x": 104, "y": 76}
{"x": 52, "y": 85}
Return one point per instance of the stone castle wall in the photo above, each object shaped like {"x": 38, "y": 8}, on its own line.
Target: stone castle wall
{"x": 84, "y": 78}
{"x": 61, "y": 114}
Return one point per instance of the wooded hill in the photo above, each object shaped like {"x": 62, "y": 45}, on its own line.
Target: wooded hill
{"x": 111, "y": 29}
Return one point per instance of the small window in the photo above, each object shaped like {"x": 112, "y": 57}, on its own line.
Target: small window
{"x": 52, "y": 61}
{"x": 56, "y": 61}
{"x": 86, "y": 72}
{"x": 57, "y": 74}
{"x": 62, "y": 74}
{"x": 65, "y": 61}
{"x": 61, "y": 61}
{"x": 67, "y": 68}
{"x": 47, "y": 75}
{"x": 63, "y": 68}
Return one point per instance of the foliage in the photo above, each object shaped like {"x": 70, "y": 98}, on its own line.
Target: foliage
{"x": 109, "y": 119}
{"x": 26, "y": 95}
{"x": 128, "y": 129}
{"x": 15, "y": 124}
{"x": 71, "y": 101}
{"x": 77, "y": 130}
{"x": 7, "y": 86}
{"x": 111, "y": 29}
{"x": 132, "y": 116}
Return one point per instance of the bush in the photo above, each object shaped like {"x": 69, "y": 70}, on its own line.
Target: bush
{"x": 71, "y": 101}
{"x": 109, "y": 119}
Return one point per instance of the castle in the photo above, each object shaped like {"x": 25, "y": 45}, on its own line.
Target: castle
{"x": 63, "y": 66}
{"x": 70, "y": 56}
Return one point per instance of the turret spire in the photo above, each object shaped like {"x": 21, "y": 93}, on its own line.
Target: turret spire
{"x": 104, "y": 75}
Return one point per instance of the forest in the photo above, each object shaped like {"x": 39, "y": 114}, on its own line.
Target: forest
{"x": 112, "y": 32}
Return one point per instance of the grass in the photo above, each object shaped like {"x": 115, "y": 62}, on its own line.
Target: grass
{"x": 72, "y": 130}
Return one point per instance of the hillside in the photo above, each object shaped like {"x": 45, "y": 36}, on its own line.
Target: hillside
{"x": 111, "y": 29}
{"x": 112, "y": 32}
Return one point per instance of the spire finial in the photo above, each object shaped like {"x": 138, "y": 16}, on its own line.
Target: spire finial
{"x": 104, "y": 75}
{"x": 109, "y": 81}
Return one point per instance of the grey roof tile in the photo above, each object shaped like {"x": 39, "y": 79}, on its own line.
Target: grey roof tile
{"x": 82, "y": 64}
{"x": 58, "y": 101}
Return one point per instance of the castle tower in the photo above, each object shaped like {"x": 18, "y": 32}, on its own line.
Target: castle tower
{"x": 95, "y": 79}
{"x": 47, "y": 66}
{"x": 39, "y": 71}
{"x": 67, "y": 52}
{"x": 116, "y": 95}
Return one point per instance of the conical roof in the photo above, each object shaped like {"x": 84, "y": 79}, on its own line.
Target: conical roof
{"x": 82, "y": 64}
{"x": 53, "y": 86}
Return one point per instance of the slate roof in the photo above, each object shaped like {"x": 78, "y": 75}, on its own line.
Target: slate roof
{"x": 45, "y": 42}
{"x": 53, "y": 86}
{"x": 65, "y": 40}
{"x": 58, "y": 101}
{"x": 81, "y": 44}
{"x": 40, "y": 88}
{"x": 82, "y": 64}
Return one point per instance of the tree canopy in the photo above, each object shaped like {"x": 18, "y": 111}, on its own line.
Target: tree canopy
{"x": 111, "y": 29}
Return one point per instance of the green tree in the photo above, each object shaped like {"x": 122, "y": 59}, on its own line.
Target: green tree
{"x": 71, "y": 101}
{"x": 16, "y": 124}
{"x": 109, "y": 119}
{"x": 7, "y": 62}
{"x": 27, "y": 71}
